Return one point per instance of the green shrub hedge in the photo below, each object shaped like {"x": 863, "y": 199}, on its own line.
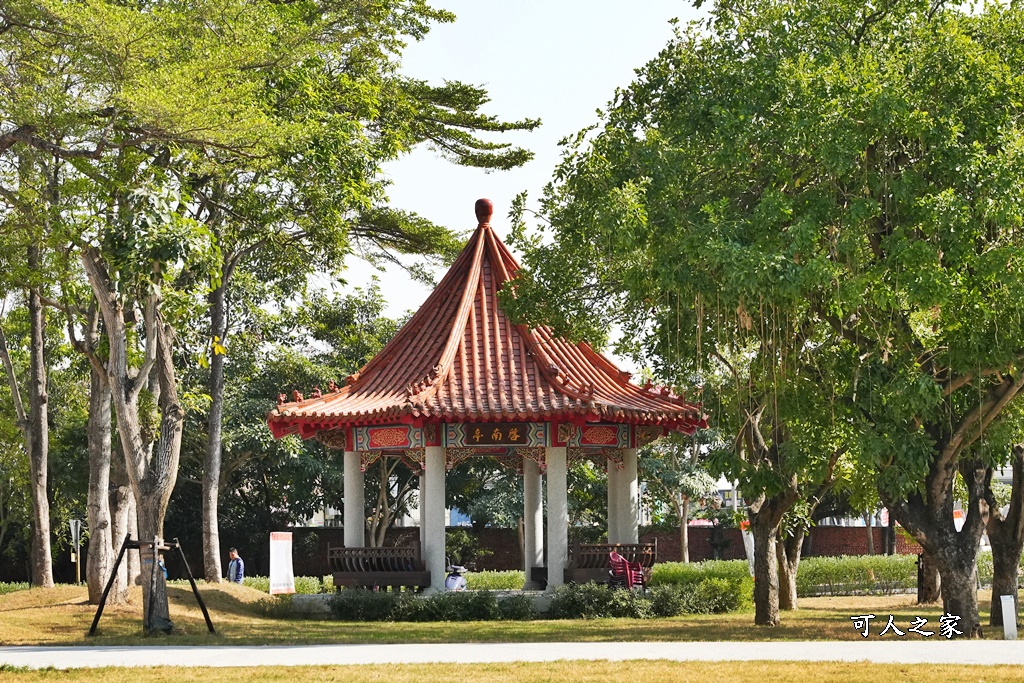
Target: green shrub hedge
{"x": 709, "y": 587}
{"x": 879, "y": 574}
{"x": 304, "y": 585}
{"x": 855, "y": 574}
{"x": 684, "y": 574}
{"x": 363, "y": 605}
{"x": 13, "y": 586}
{"x": 708, "y": 595}
{"x": 495, "y": 581}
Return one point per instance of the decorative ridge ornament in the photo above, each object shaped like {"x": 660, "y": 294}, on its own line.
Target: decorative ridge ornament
{"x": 484, "y": 210}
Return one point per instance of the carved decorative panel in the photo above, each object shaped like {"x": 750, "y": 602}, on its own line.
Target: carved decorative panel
{"x": 415, "y": 459}
{"x": 614, "y": 435}
{"x": 387, "y": 437}
{"x": 647, "y": 435}
{"x": 536, "y": 454}
{"x": 367, "y": 458}
{"x": 334, "y": 438}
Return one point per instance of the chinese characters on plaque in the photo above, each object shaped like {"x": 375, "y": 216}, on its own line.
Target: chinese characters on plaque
{"x": 947, "y": 626}
{"x": 496, "y": 433}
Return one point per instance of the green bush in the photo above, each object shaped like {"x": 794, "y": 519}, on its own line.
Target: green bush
{"x": 308, "y": 585}
{"x": 710, "y": 587}
{"x": 668, "y": 600}
{"x": 260, "y": 583}
{"x": 597, "y": 601}
{"x": 363, "y": 605}
{"x": 630, "y": 605}
{"x": 692, "y": 573}
{"x": 716, "y": 595}
{"x": 580, "y": 601}
{"x": 14, "y": 586}
{"x": 856, "y": 574}
{"x": 495, "y": 581}
{"x": 463, "y": 547}
{"x": 304, "y": 585}
{"x": 516, "y": 608}
{"x": 458, "y": 606}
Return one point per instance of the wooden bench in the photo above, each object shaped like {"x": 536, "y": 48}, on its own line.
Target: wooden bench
{"x": 381, "y": 568}
{"x": 589, "y": 561}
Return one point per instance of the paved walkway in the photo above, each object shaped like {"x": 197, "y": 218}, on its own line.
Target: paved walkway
{"x": 889, "y": 652}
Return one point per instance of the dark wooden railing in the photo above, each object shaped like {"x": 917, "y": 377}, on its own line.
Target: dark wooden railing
{"x": 589, "y": 561}
{"x": 381, "y": 568}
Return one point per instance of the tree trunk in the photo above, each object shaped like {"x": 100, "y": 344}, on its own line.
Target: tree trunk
{"x": 930, "y": 589}
{"x": 39, "y": 439}
{"x": 960, "y": 590}
{"x": 212, "y": 462}
{"x": 43, "y": 578}
{"x": 684, "y": 529}
{"x": 1005, "y": 565}
{"x": 101, "y": 543}
{"x": 928, "y": 516}
{"x": 156, "y": 613}
{"x": 869, "y": 525}
{"x": 151, "y": 453}
{"x": 766, "y": 570}
{"x": 1006, "y": 533}
{"x": 789, "y": 551}
{"x": 134, "y": 561}
{"x": 121, "y": 507}
{"x": 890, "y": 536}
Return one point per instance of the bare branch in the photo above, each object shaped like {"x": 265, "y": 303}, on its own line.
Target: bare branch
{"x": 12, "y": 379}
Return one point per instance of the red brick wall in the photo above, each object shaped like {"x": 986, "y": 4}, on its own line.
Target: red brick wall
{"x": 824, "y": 541}
{"x": 853, "y": 540}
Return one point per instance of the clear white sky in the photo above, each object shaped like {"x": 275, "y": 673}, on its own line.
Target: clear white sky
{"x": 558, "y": 60}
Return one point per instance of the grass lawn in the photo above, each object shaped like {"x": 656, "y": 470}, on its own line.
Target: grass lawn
{"x": 62, "y": 615}
{"x": 549, "y": 672}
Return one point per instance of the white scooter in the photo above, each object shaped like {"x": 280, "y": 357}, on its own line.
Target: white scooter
{"x": 455, "y": 580}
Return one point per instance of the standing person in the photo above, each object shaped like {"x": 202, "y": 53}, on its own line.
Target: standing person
{"x": 236, "y": 567}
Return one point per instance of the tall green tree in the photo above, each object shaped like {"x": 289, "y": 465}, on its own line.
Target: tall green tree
{"x": 832, "y": 188}
{"x": 677, "y": 477}
{"x": 320, "y": 194}
{"x": 181, "y": 118}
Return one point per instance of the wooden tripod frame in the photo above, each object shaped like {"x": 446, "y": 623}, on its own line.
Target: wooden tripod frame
{"x": 157, "y": 546}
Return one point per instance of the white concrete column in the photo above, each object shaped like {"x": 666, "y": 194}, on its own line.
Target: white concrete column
{"x": 558, "y": 516}
{"x": 432, "y": 511}
{"x": 421, "y": 511}
{"x": 533, "y": 520}
{"x": 629, "y": 529}
{"x": 614, "y": 502}
{"x": 354, "y": 515}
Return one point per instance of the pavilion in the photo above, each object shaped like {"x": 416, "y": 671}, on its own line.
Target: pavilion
{"x": 459, "y": 380}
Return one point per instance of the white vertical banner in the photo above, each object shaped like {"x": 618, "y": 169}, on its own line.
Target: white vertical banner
{"x": 282, "y": 579}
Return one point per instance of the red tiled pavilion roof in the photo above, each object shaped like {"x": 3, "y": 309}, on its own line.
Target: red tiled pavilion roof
{"x": 459, "y": 359}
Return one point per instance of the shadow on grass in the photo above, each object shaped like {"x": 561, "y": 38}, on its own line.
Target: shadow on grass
{"x": 241, "y": 617}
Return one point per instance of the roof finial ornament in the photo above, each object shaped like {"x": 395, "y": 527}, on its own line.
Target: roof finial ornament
{"x": 484, "y": 210}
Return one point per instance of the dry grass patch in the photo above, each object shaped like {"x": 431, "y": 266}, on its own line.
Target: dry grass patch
{"x": 548, "y": 672}
{"x": 62, "y": 616}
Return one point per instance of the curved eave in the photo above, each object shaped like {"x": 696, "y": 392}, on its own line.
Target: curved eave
{"x": 308, "y": 424}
